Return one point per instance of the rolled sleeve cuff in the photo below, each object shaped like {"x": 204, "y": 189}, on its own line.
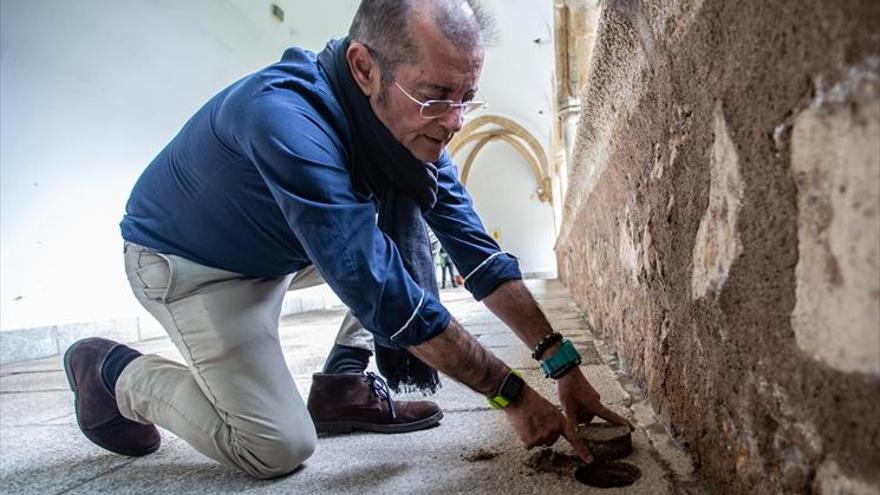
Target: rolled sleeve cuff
{"x": 428, "y": 320}
{"x": 492, "y": 272}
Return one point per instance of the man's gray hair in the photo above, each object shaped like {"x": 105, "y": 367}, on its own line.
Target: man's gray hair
{"x": 383, "y": 25}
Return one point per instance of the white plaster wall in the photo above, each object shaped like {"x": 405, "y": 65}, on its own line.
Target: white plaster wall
{"x": 505, "y": 196}
{"x": 518, "y": 72}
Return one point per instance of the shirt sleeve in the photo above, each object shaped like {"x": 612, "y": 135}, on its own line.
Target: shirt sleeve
{"x": 301, "y": 161}
{"x": 461, "y": 233}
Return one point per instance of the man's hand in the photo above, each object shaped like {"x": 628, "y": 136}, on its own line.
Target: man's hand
{"x": 514, "y": 304}
{"x": 538, "y": 422}
{"x": 580, "y": 401}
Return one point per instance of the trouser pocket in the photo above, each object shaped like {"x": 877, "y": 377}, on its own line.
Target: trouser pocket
{"x": 153, "y": 271}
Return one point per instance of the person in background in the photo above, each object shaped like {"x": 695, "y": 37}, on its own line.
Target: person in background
{"x": 446, "y": 266}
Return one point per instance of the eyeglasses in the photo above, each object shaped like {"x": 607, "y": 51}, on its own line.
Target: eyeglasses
{"x": 432, "y": 109}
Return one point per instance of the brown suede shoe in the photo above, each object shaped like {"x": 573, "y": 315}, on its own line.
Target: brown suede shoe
{"x": 342, "y": 403}
{"x": 96, "y": 411}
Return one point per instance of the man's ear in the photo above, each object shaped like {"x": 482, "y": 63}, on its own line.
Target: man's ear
{"x": 363, "y": 68}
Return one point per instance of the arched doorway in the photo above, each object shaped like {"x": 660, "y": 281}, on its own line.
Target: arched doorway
{"x": 505, "y": 169}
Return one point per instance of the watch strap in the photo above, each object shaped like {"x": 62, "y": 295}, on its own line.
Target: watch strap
{"x": 562, "y": 361}
{"x": 509, "y": 391}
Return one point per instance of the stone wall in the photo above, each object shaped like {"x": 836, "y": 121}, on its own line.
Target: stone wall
{"x": 722, "y": 227}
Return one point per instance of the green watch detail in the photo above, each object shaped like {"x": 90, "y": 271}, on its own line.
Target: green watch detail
{"x": 561, "y": 362}
{"x": 508, "y": 392}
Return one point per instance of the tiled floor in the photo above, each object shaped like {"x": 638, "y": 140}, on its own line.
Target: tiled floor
{"x": 472, "y": 451}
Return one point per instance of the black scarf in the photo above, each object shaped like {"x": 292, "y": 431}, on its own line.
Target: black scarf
{"x": 406, "y": 187}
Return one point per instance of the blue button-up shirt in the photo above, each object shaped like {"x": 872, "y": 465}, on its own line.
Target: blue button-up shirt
{"x": 258, "y": 182}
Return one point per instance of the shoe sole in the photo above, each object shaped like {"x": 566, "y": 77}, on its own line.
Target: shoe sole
{"x": 337, "y": 427}
{"x": 70, "y": 381}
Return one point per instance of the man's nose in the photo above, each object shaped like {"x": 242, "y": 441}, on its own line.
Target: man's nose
{"x": 453, "y": 120}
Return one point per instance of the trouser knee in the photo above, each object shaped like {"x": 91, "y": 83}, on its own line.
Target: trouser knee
{"x": 278, "y": 457}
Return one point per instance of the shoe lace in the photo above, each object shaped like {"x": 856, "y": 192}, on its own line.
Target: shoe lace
{"x": 380, "y": 388}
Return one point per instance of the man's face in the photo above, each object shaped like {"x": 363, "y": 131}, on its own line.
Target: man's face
{"x": 443, "y": 72}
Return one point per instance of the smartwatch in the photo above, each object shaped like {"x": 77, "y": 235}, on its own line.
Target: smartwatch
{"x": 509, "y": 391}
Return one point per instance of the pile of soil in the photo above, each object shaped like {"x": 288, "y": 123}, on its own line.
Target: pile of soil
{"x": 548, "y": 460}
{"x": 481, "y": 455}
{"x": 607, "y": 442}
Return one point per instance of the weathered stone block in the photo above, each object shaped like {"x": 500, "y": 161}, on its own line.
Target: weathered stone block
{"x": 836, "y": 162}
{"x": 27, "y": 343}
{"x": 717, "y": 244}
{"x": 120, "y": 330}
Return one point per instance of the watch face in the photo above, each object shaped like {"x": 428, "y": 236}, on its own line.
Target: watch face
{"x": 512, "y": 387}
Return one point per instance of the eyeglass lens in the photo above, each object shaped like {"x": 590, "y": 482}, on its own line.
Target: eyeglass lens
{"x": 439, "y": 108}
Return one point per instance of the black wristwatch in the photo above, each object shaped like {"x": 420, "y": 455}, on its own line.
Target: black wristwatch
{"x": 509, "y": 391}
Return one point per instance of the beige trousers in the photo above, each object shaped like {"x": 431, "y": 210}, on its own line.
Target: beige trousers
{"x": 234, "y": 400}
{"x": 351, "y": 332}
